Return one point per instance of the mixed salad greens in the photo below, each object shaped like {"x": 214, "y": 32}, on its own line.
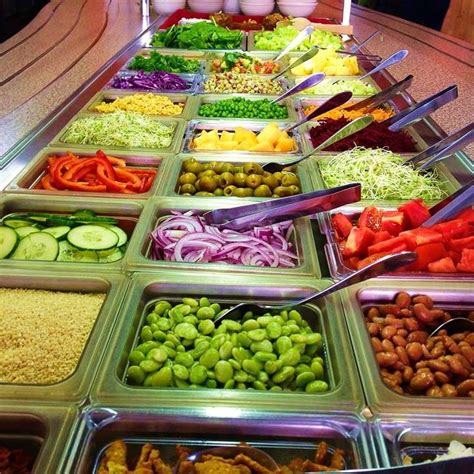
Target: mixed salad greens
{"x": 160, "y": 62}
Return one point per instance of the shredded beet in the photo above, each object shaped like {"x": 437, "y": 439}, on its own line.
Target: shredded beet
{"x": 376, "y": 135}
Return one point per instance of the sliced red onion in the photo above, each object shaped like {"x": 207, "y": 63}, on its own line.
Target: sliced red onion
{"x": 185, "y": 237}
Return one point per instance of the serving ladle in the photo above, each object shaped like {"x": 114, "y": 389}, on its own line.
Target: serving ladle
{"x": 454, "y": 325}
{"x": 379, "y": 267}
{"x": 390, "y": 61}
{"x": 305, "y": 84}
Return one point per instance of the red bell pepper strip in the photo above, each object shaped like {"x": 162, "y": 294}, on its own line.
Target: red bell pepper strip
{"x": 423, "y": 235}
{"x": 135, "y": 180}
{"x": 372, "y": 258}
{"x": 46, "y": 183}
{"x": 358, "y": 241}
{"x": 381, "y": 236}
{"x": 371, "y": 218}
{"x": 113, "y": 186}
{"x": 428, "y": 253}
{"x": 342, "y": 225}
{"x": 393, "y": 245}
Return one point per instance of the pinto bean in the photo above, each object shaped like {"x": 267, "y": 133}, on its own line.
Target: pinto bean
{"x": 389, "y": 309}
{"x": 403, "y": 299}
{"x": 402, "y": 355}
{"x": 399, "y": 340}
{"x": 422, "y": 381}
{"x": 449, "y": 390}
{"x": 376, "y": 344}
{"x": 388, "y": 346}
{"x": 415, "y": 351}
{"x": 424, "y": 300}
{"x": 388, "y": 332}
{"x": 417, "y": 336}
{"x": 438, "y": 364}
{"x": 441, "y": 377}
{"x": 386, "y": 359}
{"x": 372, "y": 313}
{"x": 407, "y": 374}
{"x": 465, "y": 387}
{"x": 373, "y": 329}
{"x": 434, "y": 391}
{"x": 422, "y": 313}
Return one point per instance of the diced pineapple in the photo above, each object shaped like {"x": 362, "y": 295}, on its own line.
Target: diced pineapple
{"x": 285, "y": 144}
{"x": 228, "y": 145}
{"x": 246, "y": 144}
{"x": 227, "y": 136}
{"x": 263, "y": 146}
{"x": 242, "y": 133}
{"x": 270, "y": 134}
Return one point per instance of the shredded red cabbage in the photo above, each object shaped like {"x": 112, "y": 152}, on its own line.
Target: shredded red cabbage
{"x": 158, "y": 80}
{"x": 185, "y": 237}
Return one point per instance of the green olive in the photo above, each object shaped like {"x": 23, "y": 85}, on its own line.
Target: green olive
{"x": 187, "y": 178}
{"x": 204, "y": 194}
{"x": 229, "y": 190}
{"x": 278, "y": 175}
{"x": 282, "y": 191}
{"x": 289, "y": 179}
{"x": 253, "y": 168}
{"x": 193, "y": 167}
{"x": 208, "y": 184}
{"x": 226, "y": 179}
{"x": 187, "y": 188}
{"x": 218, "y": 192}
{"x": 243, "y": 192}
{"x": 238, "y": 169}
{"x": 186, "y": 194}
{"x": 253, "y": 181}
{"x": 275, "y": 196}
{"x": 294, "y": 189}
{"x": 205, "y": 166}
{"x": 189, "y": 162}
{"x": 197, "y": 185}
{"x": 270, "y": 181}
{"x": 207, "y": 173}
{"x": 229, "y": 167}
{"x": 262, "y": 191}
{"x": 212, "y": 165}
{"x": 239, "y": 179}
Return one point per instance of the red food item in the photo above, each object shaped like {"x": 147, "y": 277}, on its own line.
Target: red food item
{"x": 455, "y": 256}
{"x": 381, "y": 236}
{"x": 376, "y": 135}
{"x": 392, "y": 245}
{"x": 15, "y": 461}
{"x": 392, "y": 222}
{"x": 454, "y": 229}
{"x": 358, "y": 241}
{"x": 372, "y": 258}
{"x": 353, "y": 262}
{"x": 416, "y": 212}
{"x": 342, "y": 225}
{"x": 461, "y": 244}
{"x": 467, "y": 215}
{"x": 371, "y": 218}
{"x": 444, "y": 265}
{"x": 467, "y": 261}
{"x": 428, "y": 253}
{"x": 423, "y": 235}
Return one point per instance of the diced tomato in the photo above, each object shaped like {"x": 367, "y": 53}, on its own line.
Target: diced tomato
{"x": 358, "y": 241}
{"x": 454, "y": 229}
{"x": 372, "y": 258}
{"x": 423, "y": 235}
{"x": 460, "y": 244}
{"x": 444, "y": 265}
{"x": 352, "y": 262}
{"x": 428, "y": 253}
{"x": 393, "y": 221}
{"x": 467, "y": 215}
{"x": 467, "y": 261}
{"x": 393, "y": 245}
{"x": 455, "y": 256}
{"x": 381, "y": 236}
{"x": 416, "y": 212}
{"x": 371, "y": 218}
{"x": 342, "y": 225}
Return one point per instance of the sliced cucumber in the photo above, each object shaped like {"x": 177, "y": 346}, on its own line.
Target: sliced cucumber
{"x": 68, "y": 253}
{"x": 15, "y": 223}
{"x": 40, "y": 216}
{"x": 113, "y": 257}
{"x": 8, "y": 241}
{"x": 60, "y": 221}
{"x": 94, "y": 220}
{"x": 25, "y": 231}
{"x": 84, "y": 213}
{"x": 92, "y": 237}
{"x": 58, "y": 232}
{"x": 37, "y": 246}
{"x": 122, "y": 236}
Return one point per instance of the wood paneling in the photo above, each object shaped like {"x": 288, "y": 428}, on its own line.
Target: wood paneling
{"x": 459, "y": 21}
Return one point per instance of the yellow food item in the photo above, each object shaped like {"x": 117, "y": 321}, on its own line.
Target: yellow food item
{"x": 271, "y": 138}
{"x": 327, "y": 61}
{"x": 380, "y": 114}
{"x": 148, "y": 104}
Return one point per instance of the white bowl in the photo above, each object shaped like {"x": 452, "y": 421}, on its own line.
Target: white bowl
{"x": 260, "y": 9}
{"x": 166, "y": 7}
{"x": 296, "y": 9}
{"x": 206, "y": 6}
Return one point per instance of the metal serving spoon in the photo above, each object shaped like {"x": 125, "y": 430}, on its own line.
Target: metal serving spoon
{"x": 379, "y": 267}
{"x": 302, "y": 35}
{"x": 390, "y": 61}
{"x": 454, "y": 325}
{"x": 351, "y": 128}
{"x": 306, "y": 84}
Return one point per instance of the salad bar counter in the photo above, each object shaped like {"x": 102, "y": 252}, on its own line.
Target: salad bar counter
{"x": 125, "y": 240}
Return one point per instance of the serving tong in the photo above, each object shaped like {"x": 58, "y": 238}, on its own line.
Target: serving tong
{"x": 302, "y": 35}
{"x": 390, "y": 61}
{"x": 305, "y": 84}
{"x": 356, "y": 48}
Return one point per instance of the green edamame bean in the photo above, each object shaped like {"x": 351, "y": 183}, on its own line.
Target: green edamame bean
{"x": 170, "y": 344}
{"x": 204, "y": 302}
{"x": 244, "y": 340}
{"x": 295, "y": 316}
{"x": 206, "y": 312}
{"x": 216, "y": 307}
{"x": 181, "y": 383}
{"x": 272, "y": 366}
{"x": 314, "y": 338}
{"x": 250, "y": 325}
{"x": 146, "y": 347}
{"x": 191, "y": 319}
{"x": 210, "y": 358}
{"x": 169, "y": 350}
{"x": 217, "y": 341}
{"x": 211, "y": 383}
{"x": 234, "y": 364}
{"x": 184, "y": 309}
{"x": 262, "y": 356}
{"x": 305, "y": 359}
{"x": 248, "y": 315}
{"x": 263, "y": 377}
{"x": 290, "y": 357}
{"x": 157, "y": 354}
{"x": 300, "y": 347}
{"x": 232, "y": 325}
{"x": 180, "y": 348}
{"x": 274, "y": 330}
{"x": 285, "y": 330}
{"x": 191, "y": 302}
{"x": 146, "y": 334}
{"x": 170, "y": 337}
{"x": 240, "y": 376}
{"x": 299, "y": 338}
{"x": 257, "y": 385}
{"x": 180, "y": 372}
{"x": 240, "y": 354}
{"x": 136, "y": 357}
{"x": 257, "y": 334}
{"x": 317, "y": 386}
{"x": 284, "y": 315}
{"x": 222, "y": 329}
{"x": 252, "y": 366}
{"x": 300, "y": 368}
{"x": 198, "y": 374}
{"x": 154, "y": 327}
{"x": 304, "y": 379}
{"x": 317, "y": 369}
{"x": 312, "y": 349}
{"x": 283, "y": 344}
{"x": 211, "y": 374}
{"x": 230, "y": 384}
{"x": 186, "y": 331}
{"x": 135, "y": 375}
{"x": 175, "y": 316}
{"x": 264, "y": 321}
{"x": 187, "y": 342}
{"x": 234, "y": 339}
{"x": 276, "y": 388}
{"x": 161, "y": 307}
{"x": 200, "y": 348}
{"x": 151, "y": 318}
{"x": 263, "y": 346}
{"x": 159, "y": 336}
{"x": 241, "y": 386}
{"x": 206, "y": 327}
{"x": 200, "y": 339}
{"x": 224, "y": 371}
{"x": 278, "y": 319}
{"x": 283, "y": 374}
{"x": 149, "y": 365}
{"x": 225, "y": 351}
{"x": 162, "y": 378}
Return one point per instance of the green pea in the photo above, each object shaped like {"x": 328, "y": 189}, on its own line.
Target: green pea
{"x": 283, "y": 374}
{"x": 240, "y": 376}
{"x": 283, "y": 344}
{"x": 272, "y": 366}
{"x": 244, "y": 340}
{"x": 200, "y": 348}
{"x": 210, "y": 358}
{"x": 304, "y": 379}
{"x": 232, "y": 325}
{"x": 181, "y": 383}
{"x": 162, "y": 378}
{"x": 136, "y": 357}
{"x": 273, "y": 330}
{"x": 184, "y": 309}
{"x": 206, "y": 312}
{"x": 151, "y": 318}
{"x": 224, "y": 371}
{"x": 158, "y": 355}
{"x": 173, "y": 339}
{"x": 264, "y": 321}
{"x": 146, "y": 334}
{"x": 263, "y": 346}
{"x": 211, "y": 383}
{"x": 198, "y": 374}
{"x": 191, "y": 302}
{"x": 252, "y": 366}
{"x": 300, "y": 368}
{"x": 135, "y": 375}
{"x": 146, "y": 347}
{"x": 257, "y": 334}
{"x": 299, "y": 338}
{"x": 161, "y": 307}
{"x": 257, "y": 385}
{"x": 206, "y": 327}
{"x": 149, "y": 365}
{"x": 180, "y": 371}
{"x": 317, "y": 369}
{"x": 225, "y": 351}
{"x": 169, "y": 350}
{"x": 262, "y": 356}
{"x": 317, "y": 386}
{"x": 295, "y": 316}
{"x": 290, "y": 357}
{"x": 250, "y": 325}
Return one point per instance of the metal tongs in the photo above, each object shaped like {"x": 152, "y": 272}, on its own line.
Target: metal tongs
{"x": 390, "y": 61}
{"x": 283, "y": 209}
{"x": 422, "y": 109}
{"x": 305, "y": 84}
{"x": 302, "y": 35}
